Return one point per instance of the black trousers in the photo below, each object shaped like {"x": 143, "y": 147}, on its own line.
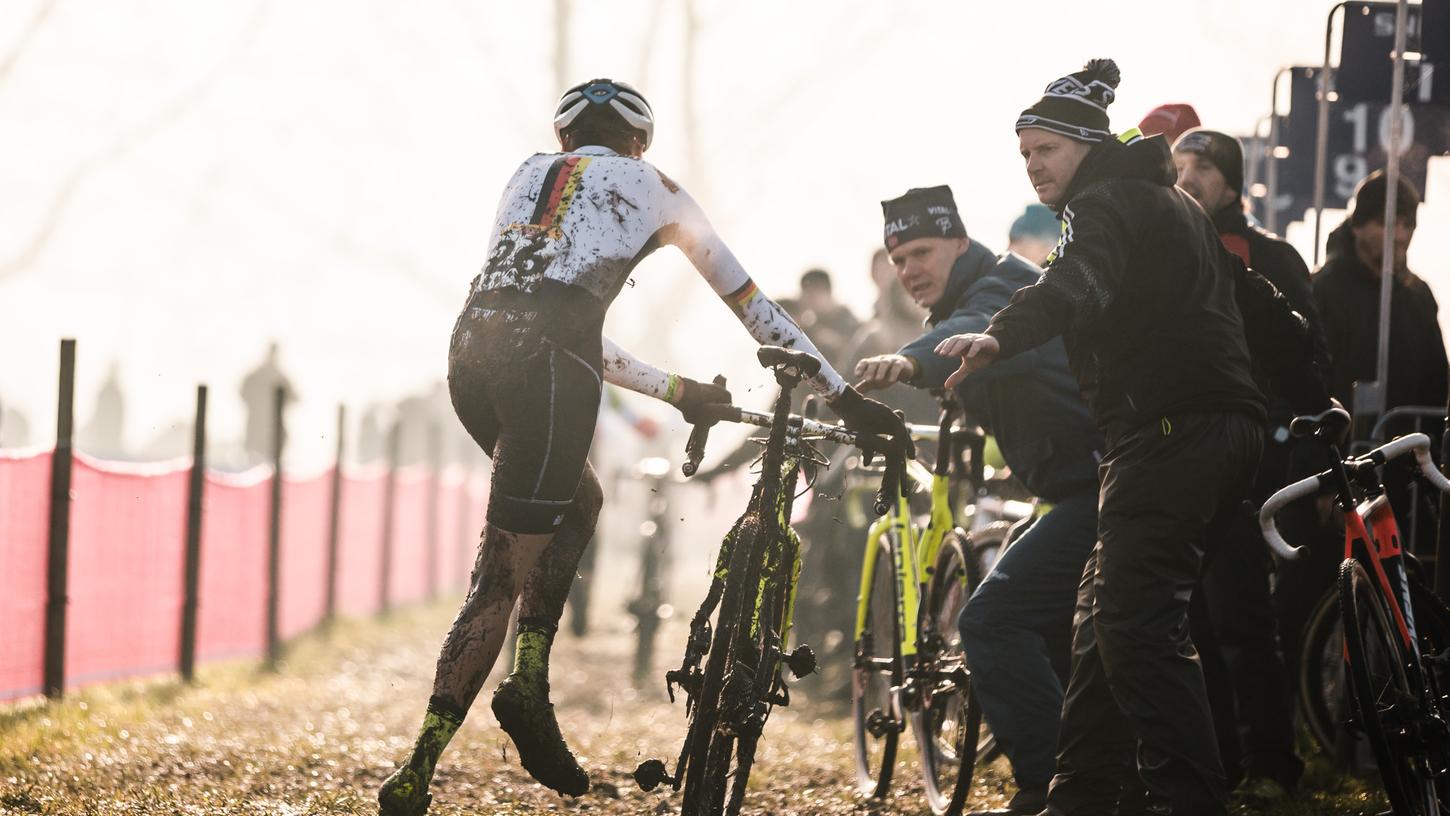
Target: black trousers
{"x": 1235, "y": 628}
{"x": 1136, "y": 686}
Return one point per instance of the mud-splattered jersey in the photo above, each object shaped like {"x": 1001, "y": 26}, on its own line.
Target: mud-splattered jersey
{"x": 587, "y": 218}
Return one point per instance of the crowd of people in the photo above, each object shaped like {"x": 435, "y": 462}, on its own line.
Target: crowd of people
{"x": 1137, "y": 352}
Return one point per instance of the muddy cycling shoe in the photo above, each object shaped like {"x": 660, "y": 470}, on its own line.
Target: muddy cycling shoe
{"x": 527, "y": 717}
{"x": 404, "y": 794}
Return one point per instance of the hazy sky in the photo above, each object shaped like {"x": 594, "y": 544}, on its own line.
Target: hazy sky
{"x": 185, "y": 180}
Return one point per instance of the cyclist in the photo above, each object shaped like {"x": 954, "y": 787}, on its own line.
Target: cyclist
{"x": 1016, "y": 626}
{"x": 526, "y": 364}
{"x": 1158, "y": 319}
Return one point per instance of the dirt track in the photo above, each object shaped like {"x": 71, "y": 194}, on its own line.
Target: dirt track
{"x": 319, "y": 736}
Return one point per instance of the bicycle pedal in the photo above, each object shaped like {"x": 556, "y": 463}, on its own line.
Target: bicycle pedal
{"x": 651, "y": 774}
{"x": 801, "y": 661}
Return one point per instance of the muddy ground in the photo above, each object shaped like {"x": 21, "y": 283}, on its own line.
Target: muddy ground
{"x": 319, "y": 735}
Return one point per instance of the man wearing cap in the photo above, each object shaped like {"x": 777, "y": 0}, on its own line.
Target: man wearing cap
{"x": 1347, "y": 294}
{"x": 1236, "y": 627}
{"x": 1034, "y": 233}
{"x": 1144, "y": 295}
{"x": 1016, "y": 626}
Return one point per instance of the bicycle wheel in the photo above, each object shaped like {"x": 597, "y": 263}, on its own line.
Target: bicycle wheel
{"x": 984, "y": 549}
{"x": 950, "y": 720}
{"x": 1322, "y": 694}
{"x": 875, "y": 672}
{"x": 1388, "y": 705}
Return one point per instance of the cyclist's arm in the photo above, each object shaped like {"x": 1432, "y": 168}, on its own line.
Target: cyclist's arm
{"x": 766, "y": 321}
{"x": 1079, "y": 282}
{"x": 627, "y": 371}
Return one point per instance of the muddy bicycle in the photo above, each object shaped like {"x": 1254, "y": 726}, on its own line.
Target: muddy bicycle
{"x": 1396, "y": 632}
{"x": 733, "y": 670}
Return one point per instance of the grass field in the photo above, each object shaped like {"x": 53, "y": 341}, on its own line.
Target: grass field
{"x": 319, "y": 735}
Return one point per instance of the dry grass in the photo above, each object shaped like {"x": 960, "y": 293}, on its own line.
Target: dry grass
{"x": 318, "y": 736}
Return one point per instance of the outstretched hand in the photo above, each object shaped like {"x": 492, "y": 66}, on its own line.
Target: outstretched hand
{"x": 884, "y": 370}
{"x": 976, "y": 350}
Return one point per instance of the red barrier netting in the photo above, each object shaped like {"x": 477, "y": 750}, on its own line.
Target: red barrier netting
{"x": 127, "y": 549}
{"x": 408, "y": 578}
{"x": 232, "y": 620}
{"x": 451, "y": 503}
{"x": 303, "y": 591}
{"x": 360, "y": 542}
{"x": 24, "y": 539}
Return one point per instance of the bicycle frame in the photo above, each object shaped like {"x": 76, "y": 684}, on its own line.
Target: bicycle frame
{"x": 1372, "y": 536}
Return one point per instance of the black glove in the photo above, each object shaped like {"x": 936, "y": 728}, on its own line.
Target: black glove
{"x": 695, "y": 395}
{"x": 866, "y": 415}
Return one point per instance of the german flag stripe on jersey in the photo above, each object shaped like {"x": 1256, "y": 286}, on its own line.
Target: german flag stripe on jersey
{"x": 738, "y": 299}
{"x": 557, "y": 192}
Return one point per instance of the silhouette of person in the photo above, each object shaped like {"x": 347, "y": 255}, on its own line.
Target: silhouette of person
{"x": 257, "y": 390}
{"x": 102, "y": 436}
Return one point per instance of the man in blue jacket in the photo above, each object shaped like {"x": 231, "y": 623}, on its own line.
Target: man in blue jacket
{"x": 1018, "y": 623}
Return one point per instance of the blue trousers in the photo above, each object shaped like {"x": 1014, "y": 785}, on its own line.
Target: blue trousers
{"x": 1018, "y": 624}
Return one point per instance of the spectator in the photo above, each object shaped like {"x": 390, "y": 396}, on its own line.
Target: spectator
{"x": 102, "y": 435}
{"x": 258, "y": 389}
{"x": 1347, "y": 294}
{"x": 1153, "y": 311}
{"x": 1171, "y": 121}
{"x": 895, "y": 321}
{"x": 830, "y": 324}
{"x": 1235, "y": 625}
{"x": 1034, "y": 234}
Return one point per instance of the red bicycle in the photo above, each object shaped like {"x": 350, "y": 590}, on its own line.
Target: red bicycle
{"x": 1396, "y": 631}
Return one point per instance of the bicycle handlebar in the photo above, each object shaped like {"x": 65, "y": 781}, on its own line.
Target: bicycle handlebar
{"x": 869, "y": 444}
{"x": 1416, "y": 443}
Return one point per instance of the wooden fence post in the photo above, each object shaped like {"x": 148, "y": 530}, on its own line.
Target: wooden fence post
{"x": 435, "y": 498}
{"x": 192, "y": 565}
{"x": 274, "y": 533}
{"x": 58, "y": 553}
{"x": 390, "y": 498}
{"x": 334, "y": 516}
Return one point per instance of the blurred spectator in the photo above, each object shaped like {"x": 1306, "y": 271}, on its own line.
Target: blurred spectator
{"x": 14, "y": 427}
{"x": 895, "y": 321}
{"x": 1034, "y": 234}
{"x": 372, "y": 435}
{"x": 829, "y": 324}
{"x": 257, "y": 390}
{"x": 102, "y": 435}
{"x": 1347, "y": 292}
{"x": 1171, "y": 120}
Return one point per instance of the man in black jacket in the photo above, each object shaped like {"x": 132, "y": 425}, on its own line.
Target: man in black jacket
{"x": 1153, "y": 311}
{"x": 1347, "y": 294}
{"x": 1235, "y": 625}
{"x": 1016, "y": 626}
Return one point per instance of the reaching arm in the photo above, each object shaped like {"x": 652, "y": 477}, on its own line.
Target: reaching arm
{"x": 766, "y": 321}
{"x": 627, "y": 371}
{"x": 1079, "y": 282}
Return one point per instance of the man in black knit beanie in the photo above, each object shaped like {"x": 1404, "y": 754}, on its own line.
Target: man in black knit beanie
{"x": 1151, "y": 307}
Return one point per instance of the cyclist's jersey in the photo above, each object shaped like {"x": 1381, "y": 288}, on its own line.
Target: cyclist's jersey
{"x": 585, "y": 219}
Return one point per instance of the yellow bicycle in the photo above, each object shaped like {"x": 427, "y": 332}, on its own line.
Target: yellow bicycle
{"x": 908, "y": 664}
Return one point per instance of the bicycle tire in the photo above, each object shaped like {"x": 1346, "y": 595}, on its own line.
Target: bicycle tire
{"x": 1322, "y": 695}
{"x": 741, "y": 577}
{"x": 875, "y": 671}
{"x": 1380, "y": 685}
{"x": 949, "y": 723}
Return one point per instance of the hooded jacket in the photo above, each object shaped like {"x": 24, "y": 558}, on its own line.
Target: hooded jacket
{"x": 1148, "y": 300}
{"x": 1347, "y": 295}
{"x": 1031, "y": 403}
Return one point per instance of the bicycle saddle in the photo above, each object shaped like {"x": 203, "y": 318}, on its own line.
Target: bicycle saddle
{"x": 774, "y": 356}
{"x": 1328, "y": 424}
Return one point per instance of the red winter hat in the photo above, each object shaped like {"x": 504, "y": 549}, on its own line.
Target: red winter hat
{"x": 1171, "y": 120}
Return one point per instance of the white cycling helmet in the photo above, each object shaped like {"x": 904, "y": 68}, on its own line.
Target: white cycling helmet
{"x": 587, "y": 101}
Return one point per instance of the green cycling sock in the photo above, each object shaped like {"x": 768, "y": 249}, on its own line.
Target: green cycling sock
{"x": 440, "y": 723}
{"x": 531, "y": 651}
